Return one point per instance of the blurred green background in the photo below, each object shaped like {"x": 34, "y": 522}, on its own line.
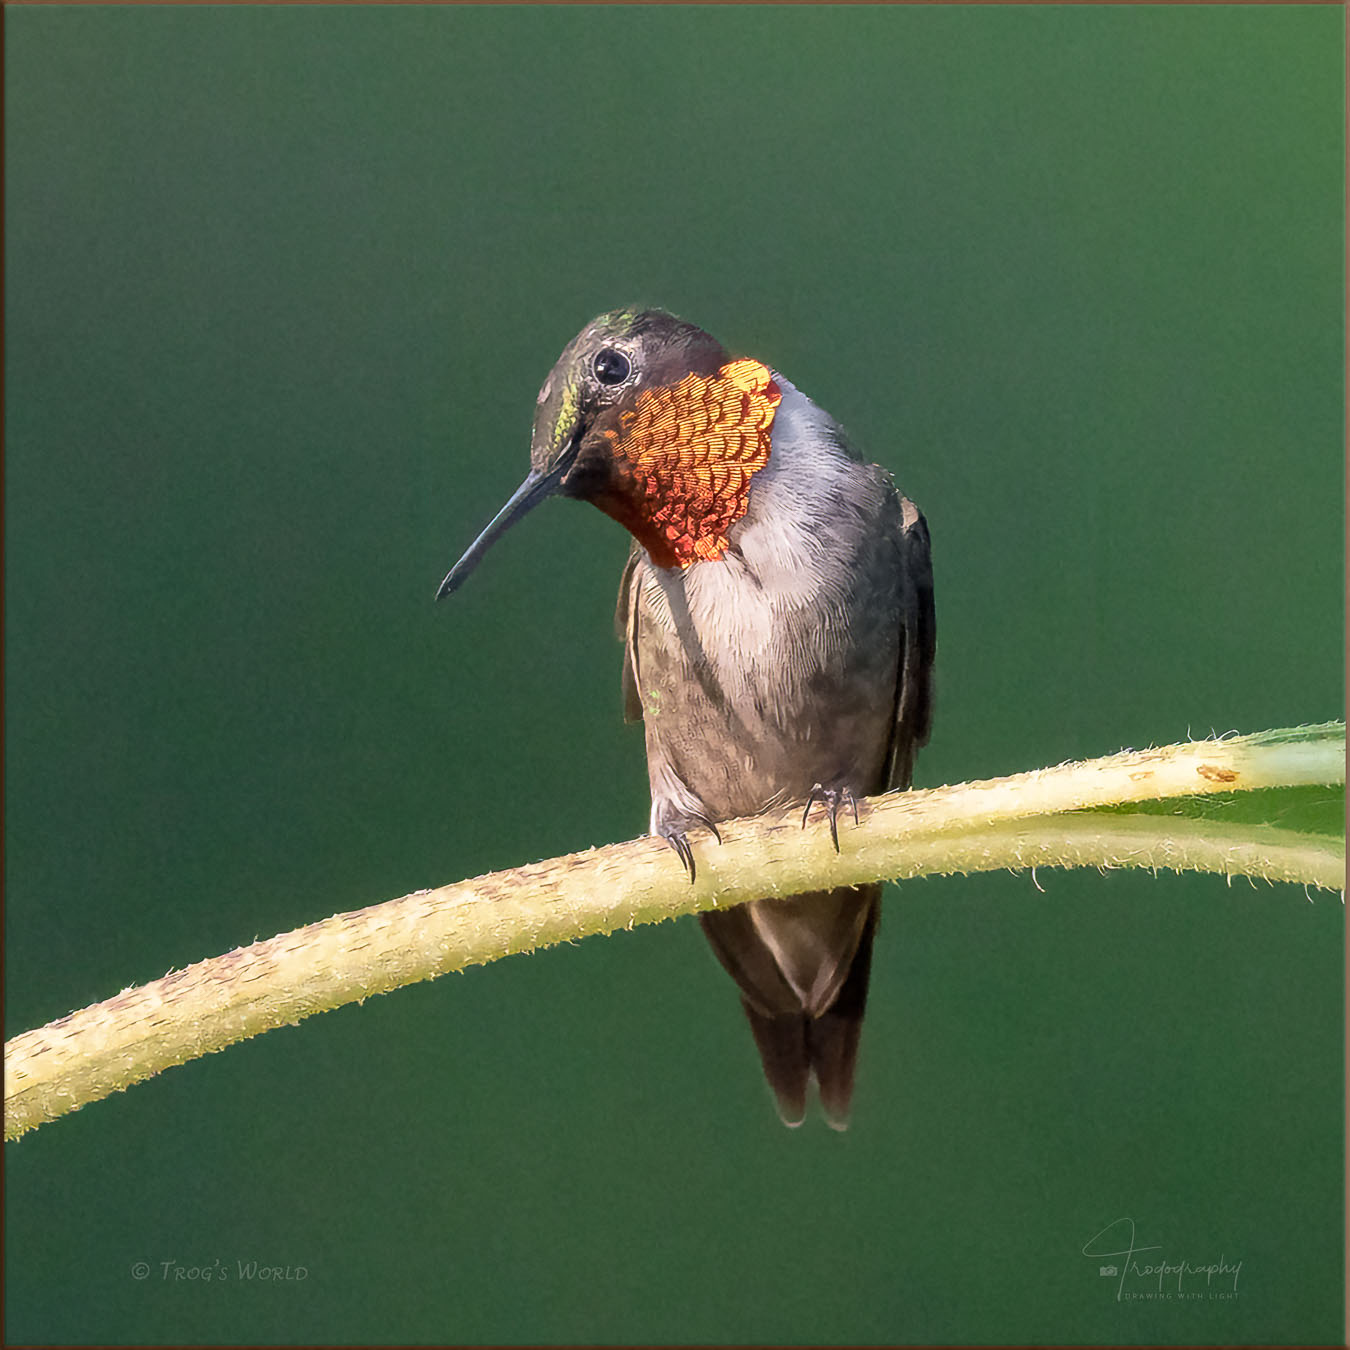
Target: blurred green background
{"x": 281, "y": 287}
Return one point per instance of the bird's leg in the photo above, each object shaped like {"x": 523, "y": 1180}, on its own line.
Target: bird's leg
{"x": 675, "y": 831}
{"x": 832, "y": 798}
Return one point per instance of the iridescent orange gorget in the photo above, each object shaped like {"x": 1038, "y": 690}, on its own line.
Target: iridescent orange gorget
{"x": 686, "y": 454}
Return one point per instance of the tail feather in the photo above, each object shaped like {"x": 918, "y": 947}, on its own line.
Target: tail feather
{"x": 796, "y": 1044}
{"x": 833, "y": 1037}
{"x": 786, "y": 1055}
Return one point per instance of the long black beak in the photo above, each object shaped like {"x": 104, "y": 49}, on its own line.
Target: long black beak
{"x": 528, "y": 495}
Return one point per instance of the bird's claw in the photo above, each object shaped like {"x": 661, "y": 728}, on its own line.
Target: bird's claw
{"x": 680, "y": 843}
{"x": 674, "y": 834}
{"x": 832, "y": 799}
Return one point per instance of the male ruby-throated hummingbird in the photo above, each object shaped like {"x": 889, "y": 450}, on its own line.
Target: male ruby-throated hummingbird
{"x": 777, "y": 618}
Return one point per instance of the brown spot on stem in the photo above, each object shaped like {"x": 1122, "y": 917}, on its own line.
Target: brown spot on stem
{"x": 1214, "y": 774}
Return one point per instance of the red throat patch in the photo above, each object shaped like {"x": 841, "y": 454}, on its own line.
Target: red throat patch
{"x": 685, "y": 455}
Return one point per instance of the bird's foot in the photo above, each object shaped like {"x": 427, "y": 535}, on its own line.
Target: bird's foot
{"x": 675, "y": 833}
{"x": 832, "y": 799}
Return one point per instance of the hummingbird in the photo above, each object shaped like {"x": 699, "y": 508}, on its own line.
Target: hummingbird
{"x": 776, "y": 614}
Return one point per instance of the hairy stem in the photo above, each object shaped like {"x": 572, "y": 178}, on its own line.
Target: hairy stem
{"x": 1016, "y": 822}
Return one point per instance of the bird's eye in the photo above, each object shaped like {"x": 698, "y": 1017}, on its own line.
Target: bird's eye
{"x": 611, "y": 367}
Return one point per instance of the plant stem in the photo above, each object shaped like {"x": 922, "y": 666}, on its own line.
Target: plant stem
{"x": 1013, "y": 822}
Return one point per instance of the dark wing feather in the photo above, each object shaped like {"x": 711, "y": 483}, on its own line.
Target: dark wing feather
{"x": 918, "y": 647}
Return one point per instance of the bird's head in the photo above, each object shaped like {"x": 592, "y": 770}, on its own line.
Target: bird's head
{"x": 647, "y": 417}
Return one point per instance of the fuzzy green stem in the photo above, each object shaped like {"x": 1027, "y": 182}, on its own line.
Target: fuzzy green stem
{"x": 1015, "y": 822}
